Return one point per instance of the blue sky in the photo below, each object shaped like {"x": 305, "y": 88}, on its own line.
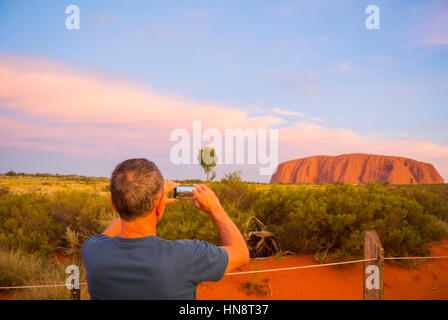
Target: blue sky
{"x": 314, "y": 58}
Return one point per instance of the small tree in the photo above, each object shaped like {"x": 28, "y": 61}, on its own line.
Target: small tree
{"x": 207, "y": 159}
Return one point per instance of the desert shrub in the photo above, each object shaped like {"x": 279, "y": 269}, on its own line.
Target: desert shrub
{"x": 10, "y": 173}
{"x": 82, "y": 214}
{"x": 189, "y": 181}
{"x": 182, "y": 220}
{"x": 328, "y": 220}
{"x": 232, "y": 191}
{"x": 331, "y": 220}
{"x": 44, "y": 224}
{"x": 433, "y": 198}
{"x": 26, "y": 222}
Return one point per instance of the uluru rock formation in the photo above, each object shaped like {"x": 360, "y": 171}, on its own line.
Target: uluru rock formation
{"x": 356, "y": 168}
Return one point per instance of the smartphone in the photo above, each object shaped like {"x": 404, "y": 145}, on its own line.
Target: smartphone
{"x": 184, "y": 192}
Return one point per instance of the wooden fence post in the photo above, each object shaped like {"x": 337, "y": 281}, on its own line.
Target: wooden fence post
{"x": 373, "y": 273}
{"x": 75, "y": 294}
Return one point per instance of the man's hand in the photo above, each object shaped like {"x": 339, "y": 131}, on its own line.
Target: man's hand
{"x": 167, "y": 187}
{"x": 206, "y": 200}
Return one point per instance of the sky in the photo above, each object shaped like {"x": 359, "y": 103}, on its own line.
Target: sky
{"x": 81, "y": 101}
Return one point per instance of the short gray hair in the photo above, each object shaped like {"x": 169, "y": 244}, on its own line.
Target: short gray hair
{"x": 135, "y": 186}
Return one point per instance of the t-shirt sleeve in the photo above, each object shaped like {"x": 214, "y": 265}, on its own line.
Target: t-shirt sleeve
{"x": 90, "y": 243}
{"x": 95, "y": 238}
{"x": 210, "y": 262}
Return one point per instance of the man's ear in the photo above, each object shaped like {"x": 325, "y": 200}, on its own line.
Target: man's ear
{"x": 112, "y": 204}
{"x": 160, "y": 206}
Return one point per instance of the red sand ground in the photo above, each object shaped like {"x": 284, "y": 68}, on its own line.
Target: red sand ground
{"x": 428, "y": 281}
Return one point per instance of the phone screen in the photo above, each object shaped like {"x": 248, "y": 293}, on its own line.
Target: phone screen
{"x": 184, "y": 193}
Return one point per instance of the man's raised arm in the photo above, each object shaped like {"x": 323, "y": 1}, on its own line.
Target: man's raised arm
{"x": 231, "y": 237}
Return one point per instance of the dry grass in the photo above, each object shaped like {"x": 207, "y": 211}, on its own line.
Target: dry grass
{"x": 49, "y": 185}
{"x": 21, "y": 269}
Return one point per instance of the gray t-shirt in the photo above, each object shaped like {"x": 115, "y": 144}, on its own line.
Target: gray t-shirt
{"x": 150, "y": 267}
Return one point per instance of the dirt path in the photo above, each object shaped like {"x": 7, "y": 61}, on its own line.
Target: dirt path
{"x": 428, "y": 281}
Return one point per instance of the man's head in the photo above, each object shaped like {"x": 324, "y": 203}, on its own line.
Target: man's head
{"x": 136, "y": 188}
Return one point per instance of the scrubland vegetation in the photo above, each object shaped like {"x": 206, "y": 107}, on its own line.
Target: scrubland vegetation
{"x": 43, "y": 215}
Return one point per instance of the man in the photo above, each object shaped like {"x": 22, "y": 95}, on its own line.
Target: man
{"x": 128, "y": 261}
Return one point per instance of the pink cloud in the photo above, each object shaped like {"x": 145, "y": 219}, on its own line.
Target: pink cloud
{"x": 80, "y": 112}
{"x": 56, "y": 108}
{"x": 47, "y": 89}
{"x": 288, "y": 112}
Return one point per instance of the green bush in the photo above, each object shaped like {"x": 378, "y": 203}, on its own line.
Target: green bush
{"x": 328, "y": 220}
{"x": 182, "y": 220}
{"x": 82, "y": 214}
{"x": 40, "y": 223}
{"x": 26, "y": 222}
{"x": 331, "y": 219}
{"x": 433, "y": 197}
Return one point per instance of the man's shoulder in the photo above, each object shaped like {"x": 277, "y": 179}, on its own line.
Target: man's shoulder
{"x": 194, "y": 246}
{"x": 185, "y": 244}
{"x": 96, "y": 239}
{"x": 192, "y": 243}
